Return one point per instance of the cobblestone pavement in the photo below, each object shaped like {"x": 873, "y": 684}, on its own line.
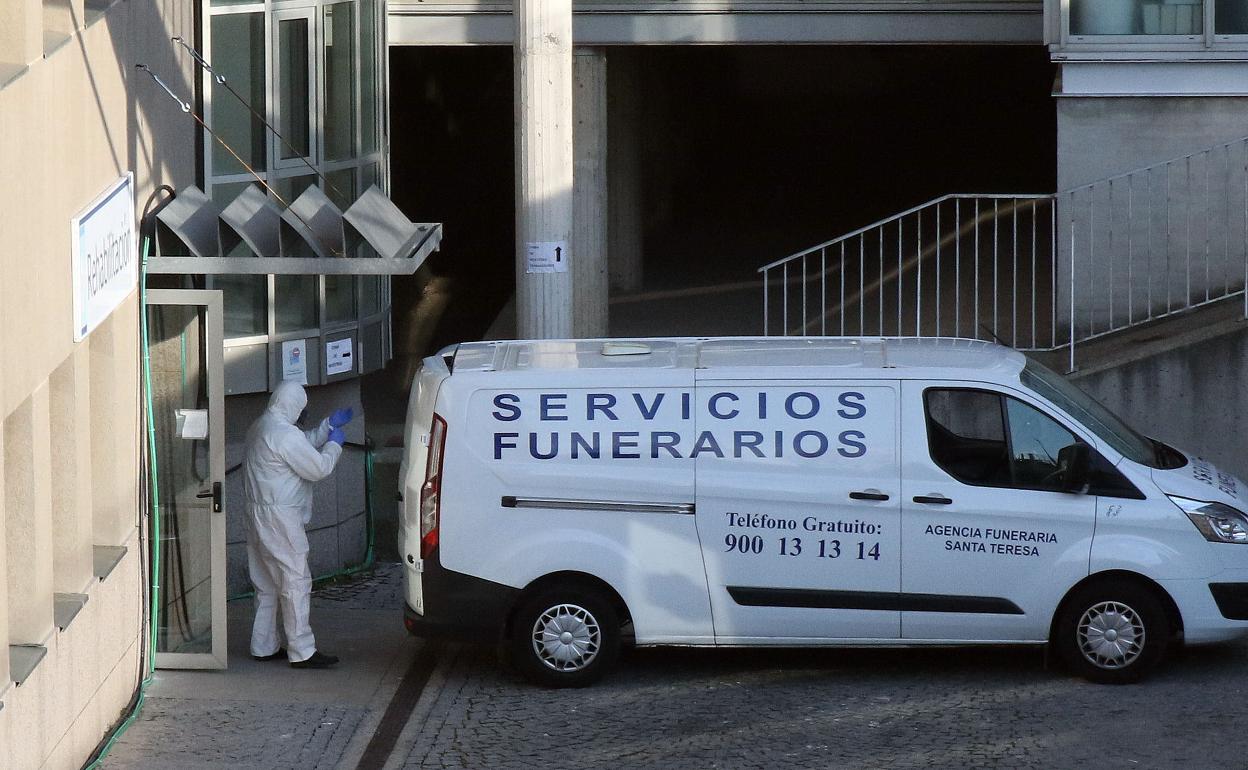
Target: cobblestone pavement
{"x": 844, "y": 709}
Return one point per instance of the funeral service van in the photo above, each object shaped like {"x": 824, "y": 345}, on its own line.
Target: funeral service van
{"x": 565, "y": 497}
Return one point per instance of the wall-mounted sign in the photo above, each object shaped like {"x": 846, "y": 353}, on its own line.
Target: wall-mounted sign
{"x": 105, "y": 261}
{"x": 546, "y": 257}
{"x": 295, "y": 361}
{"x": 338, "y": 359}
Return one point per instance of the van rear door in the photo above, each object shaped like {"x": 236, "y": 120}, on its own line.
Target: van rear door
{"x": 429, "y": 378}
{"x": 798, "y": 509}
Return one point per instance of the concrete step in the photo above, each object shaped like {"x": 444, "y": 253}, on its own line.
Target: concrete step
{"x": 1149, "y": 339}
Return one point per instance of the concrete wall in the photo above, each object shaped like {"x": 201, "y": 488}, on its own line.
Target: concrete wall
{"x": 337, "y": 534}
{"x": 1098, "y": 137}
{"x": 1157, "y": 240}
{"x": 1191, "y": 397}
{"x": 74, "y": 116}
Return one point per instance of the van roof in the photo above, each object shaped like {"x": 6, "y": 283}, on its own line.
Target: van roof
{"x": 733, "y": 353}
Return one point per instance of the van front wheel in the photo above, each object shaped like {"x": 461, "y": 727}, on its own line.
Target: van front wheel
{"x": 565, "y": 637}
{"x": 1113, "y": 632}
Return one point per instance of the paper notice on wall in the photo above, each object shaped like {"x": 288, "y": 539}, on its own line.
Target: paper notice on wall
{"x": 546, "y": 257}
{"x": 338, "y": 359}
{"x": 295, "y": 361}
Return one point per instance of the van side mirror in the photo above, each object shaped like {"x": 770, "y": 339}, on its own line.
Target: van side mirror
{"x": 1074, "y": 462}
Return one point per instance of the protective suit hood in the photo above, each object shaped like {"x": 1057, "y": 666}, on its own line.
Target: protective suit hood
{"x": 288, "y": 401}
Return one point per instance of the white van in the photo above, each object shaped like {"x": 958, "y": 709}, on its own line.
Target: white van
{"x": 563, "y": 496}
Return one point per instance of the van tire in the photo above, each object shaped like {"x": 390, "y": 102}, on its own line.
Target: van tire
{"x": 1097, "y": 631}
{"x": 586, "y": 649}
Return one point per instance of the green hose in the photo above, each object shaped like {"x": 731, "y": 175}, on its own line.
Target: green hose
{"x": 154, "y": 494}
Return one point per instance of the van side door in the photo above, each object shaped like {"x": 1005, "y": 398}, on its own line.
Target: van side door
{"x": 798, "y": 512}
{"x": 991, "y": 540}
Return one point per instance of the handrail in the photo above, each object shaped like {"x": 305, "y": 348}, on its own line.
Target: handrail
{"x": 893, "y": 218}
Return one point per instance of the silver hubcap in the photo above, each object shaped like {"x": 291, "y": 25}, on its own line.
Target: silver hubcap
{"x": 566, "y": 637}
{"x": 1111, "y": 635}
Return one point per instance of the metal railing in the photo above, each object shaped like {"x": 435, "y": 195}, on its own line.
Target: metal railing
{"x": 1036, "y": 272}
{"x": 967, "y": 265}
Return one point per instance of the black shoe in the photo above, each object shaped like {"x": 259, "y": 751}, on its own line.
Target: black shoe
{"x": 279, "y": 655}
{"x": 318, "y": 660}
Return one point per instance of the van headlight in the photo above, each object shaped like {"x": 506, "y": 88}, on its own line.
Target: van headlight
{"x": 1217, "y": 522}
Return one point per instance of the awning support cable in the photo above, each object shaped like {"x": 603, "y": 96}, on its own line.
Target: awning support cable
{"x": 186, "y": 107}
{"x": 220, "y": 80}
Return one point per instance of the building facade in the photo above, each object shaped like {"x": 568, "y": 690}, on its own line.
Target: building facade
{"x": 76, "y": 117}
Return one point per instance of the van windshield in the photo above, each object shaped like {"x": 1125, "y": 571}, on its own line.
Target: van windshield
{"x": 1091, "y": 414}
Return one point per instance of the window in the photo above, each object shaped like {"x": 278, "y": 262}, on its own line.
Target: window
{"x": 340, "y": 76}
{"x": 1230, "y": 17}
{"x": 1142, "y": 22}
{"x": 1089, "y": 412}
{"x": 245, "y": 304}
{"x": 340, "y": 299}
{"x": 989, "y": 439}
{"x": 294, "y": 86}
{"x": 1137, "y": 17}
{"x": 295, "y": 301}
{"x": 242, "y": 35}
{"x": 966, "y": 435}
{"x": 1036, "y": 443}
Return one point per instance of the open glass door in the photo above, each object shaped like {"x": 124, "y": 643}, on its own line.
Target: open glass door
{"x": 184, "y": 334}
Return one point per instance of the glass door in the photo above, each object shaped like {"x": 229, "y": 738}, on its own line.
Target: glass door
{"x": 184, "y": 335}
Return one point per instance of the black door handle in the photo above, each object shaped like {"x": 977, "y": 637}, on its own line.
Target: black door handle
{"x": 932, "y": 499}
{"x": 867, "y": 496}
{"x": 215, "y": 494}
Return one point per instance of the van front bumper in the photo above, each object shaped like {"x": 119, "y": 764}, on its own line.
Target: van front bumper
{"x": 1205, "y": 618}
{"x": 459, "y": 606}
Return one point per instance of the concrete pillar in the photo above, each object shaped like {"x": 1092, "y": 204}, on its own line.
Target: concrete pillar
{"x": 624, "y": 174}
{"x": 543, "y": 99}
{"x": 71, "y": 456}
{"x": 590, "y": 194}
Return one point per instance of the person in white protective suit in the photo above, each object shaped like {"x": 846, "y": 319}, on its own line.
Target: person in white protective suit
{"x": 281, "y": 465}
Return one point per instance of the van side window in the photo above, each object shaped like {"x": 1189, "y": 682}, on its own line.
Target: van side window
{"x": 1035, "y": 442}
{"x": 966, "y": 435}
{"x": 989, "y": 439}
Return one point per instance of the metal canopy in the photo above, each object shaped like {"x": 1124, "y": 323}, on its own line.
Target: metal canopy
{"x": 311, "y": 237}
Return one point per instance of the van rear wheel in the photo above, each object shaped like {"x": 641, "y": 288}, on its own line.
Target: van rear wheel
{"x": 565, "y": 637}
{"x": 1112, "y": 632}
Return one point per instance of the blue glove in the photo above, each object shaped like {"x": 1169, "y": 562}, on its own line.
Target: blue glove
{"x": 340, "y": 418}
{"x": 336, "y": 435}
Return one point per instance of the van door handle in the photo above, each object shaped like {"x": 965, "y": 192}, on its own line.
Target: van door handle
{"x": 932, "y": 499}
{"x": 869, "y": 494}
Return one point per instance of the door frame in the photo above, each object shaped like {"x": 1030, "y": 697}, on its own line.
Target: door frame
{"x": 214, "y": 357}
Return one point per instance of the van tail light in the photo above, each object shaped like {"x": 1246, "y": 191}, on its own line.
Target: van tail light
{"x": 431, "y": 490}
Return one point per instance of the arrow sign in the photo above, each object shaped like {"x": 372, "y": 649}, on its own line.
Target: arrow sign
{"x": 546, "y": 257}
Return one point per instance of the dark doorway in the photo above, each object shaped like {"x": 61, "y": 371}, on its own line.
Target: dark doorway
{"x": 750, "y": 153}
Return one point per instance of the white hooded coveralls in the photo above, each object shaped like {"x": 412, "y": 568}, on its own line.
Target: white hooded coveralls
{"x": 281, "y": 465}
